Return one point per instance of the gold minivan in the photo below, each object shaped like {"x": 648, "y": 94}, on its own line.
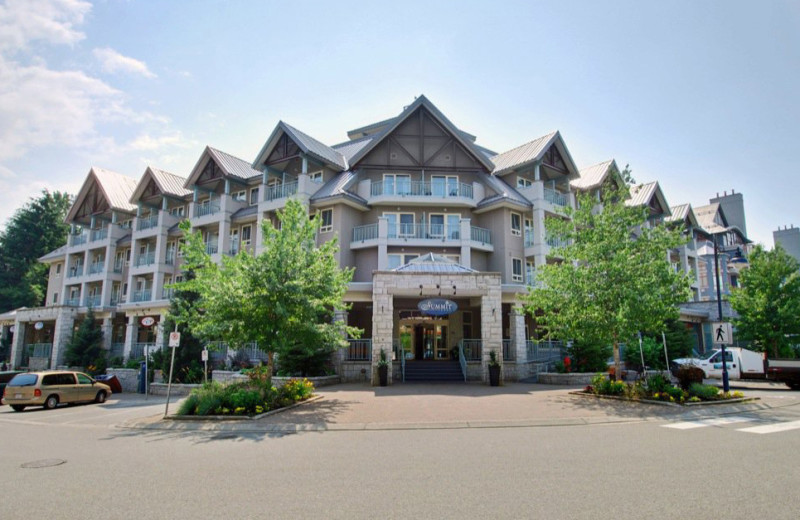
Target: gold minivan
{"x": 51, "y": 388}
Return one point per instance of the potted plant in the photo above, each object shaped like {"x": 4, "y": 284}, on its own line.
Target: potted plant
{"x": 494, "y": 369}
{"x": 383, "y": 369}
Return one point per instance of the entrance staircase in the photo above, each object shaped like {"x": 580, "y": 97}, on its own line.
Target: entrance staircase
{"x": 430, "y": 371}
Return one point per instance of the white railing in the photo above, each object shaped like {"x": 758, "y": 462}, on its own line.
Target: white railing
{"x": 481, "y": 235}
{"x": 142, "y": 296}
{"x": 544, "y": 351}
{"x": 206, "y": 208}
{"x": 212, "y": 248}
{"x": 96, "y": 267}
{"x": 359, "y": 350}
{"x": 472, "y": 349}
{"x": 76, "y": 240}
{"x": 555, "y": 197}
{"x": 73, "y": 302}
{"x": 403, "y": 188}
{"x": 139, "y": 350}
{"x": 148, "y": 222}
{"x": 424, "y": 231}
{"x": 146, "y": 259}
{"x": 366, "y": 232}
{"x": 98, "y": 234}
{"x": 280, "y": 191}
{"x": 555, "y": 241}
{"x": 92, "y": 301}
{"x": 75, "y": 271}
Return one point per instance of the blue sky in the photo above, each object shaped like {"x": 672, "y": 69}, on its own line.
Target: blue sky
{"x": 701, "y": 96}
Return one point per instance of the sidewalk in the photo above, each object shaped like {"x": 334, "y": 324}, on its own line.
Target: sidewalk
{"x": 427, "y": 406}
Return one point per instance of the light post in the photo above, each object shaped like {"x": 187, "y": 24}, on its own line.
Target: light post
{"x": 737, "y": 257}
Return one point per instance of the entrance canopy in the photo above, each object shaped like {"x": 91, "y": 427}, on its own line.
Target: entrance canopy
{"x": 432, "y": 263}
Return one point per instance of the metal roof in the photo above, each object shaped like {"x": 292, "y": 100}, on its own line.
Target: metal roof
{"x": 522, "y": 155}
{"x": 245, "y": 212}
{"x": 504, "y": 192}
{"x": 593, "y": 176}
{"x": 117, "y": 188}
{"x": 55, "y": 254}
{"x": 313, "y": 147}
{"x": 351, "y": 148}
{"x": 167, "y": 183}
{"x": 233, "y": 166}
{"x": 433, "y": 263}
{"x": 336, "y": 186}
{"x": 679, "y": 212}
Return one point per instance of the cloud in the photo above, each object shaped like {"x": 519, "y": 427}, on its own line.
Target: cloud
{"x": 146, "y": 142}
{"x": 14, "y": 189}
{"x": 50, "y": 21}
{"x": 113, "y": 62}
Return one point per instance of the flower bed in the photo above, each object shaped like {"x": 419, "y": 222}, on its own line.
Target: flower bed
{"x": 247, "y": 398}
{"x": 659, "y": 388}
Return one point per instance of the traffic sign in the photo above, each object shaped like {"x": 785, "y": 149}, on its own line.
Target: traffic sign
{"x": 174, "y": 339}
{"x": 722, "y": 333}
{"x": 204, "y": 355}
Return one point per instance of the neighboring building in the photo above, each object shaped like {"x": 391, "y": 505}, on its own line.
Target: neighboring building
{"x": 421, "y": 211}
{"x": 789, "y": 239}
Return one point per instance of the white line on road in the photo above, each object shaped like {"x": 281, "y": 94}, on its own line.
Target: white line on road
{"x": 773, "y": 428}
{"x": 702, "y": 423}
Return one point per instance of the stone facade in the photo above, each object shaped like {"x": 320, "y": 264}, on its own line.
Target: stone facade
{"x": 128, "y": 378}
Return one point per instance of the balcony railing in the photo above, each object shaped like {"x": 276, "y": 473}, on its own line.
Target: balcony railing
{"x": 99, "y": 234}
{"x": 359, "y": 350}
{"x": 481, "y": 235}
{"x": 75, "y": 271}
{"x": 554, "y": 241}
{"x": 118, "y": 264}
{"x": 148, "y": 222}
{"x": 212, "y": 248}
{"x": 117, "y": 298}
{"x": 367, "y": 232}
{"x": 76, "y": 240}
{"x": 529, "y": 237}
{"x": 170, "y": 260}
{"x": 509, "y": 354}
{"x": 96, "y": 267}
{"x": 555, "y": 197}
{"x": 74, "y": 302}
{"x": 545, "y": 351}
{"x": 472, "y": 349}
{"x": 206, "y": 208}
{"x": 146, "y": 259}
{"x": 138, "y": 350}
{"x": 92, "y": 301}
{"x": 166, "y": 294}
{"x": 280, "y": 191}
{"x": 421, "y": 189}
{"x": 142, "y": 296}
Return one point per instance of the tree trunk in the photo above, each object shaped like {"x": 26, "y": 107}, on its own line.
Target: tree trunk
{"x": 617, "y": 362}
{"x": 270, "y": 362}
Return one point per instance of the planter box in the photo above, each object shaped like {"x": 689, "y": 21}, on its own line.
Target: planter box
{"x": 128, "y": 378}
{"x": 227, "y": 376}
{"x": 177, "y": 389}
{"x": 577, "y": 379}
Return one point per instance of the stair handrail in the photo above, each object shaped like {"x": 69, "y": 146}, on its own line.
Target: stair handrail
{"x": 462, "y": 360}
{"x": 403, "y": 362}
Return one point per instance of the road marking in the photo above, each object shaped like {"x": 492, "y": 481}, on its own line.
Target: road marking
{"x": 773, "y": 428}
{"x": 702, "y": 423}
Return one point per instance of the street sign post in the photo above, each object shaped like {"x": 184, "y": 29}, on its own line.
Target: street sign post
{"x": 722, "y": 333}
{"x": 174, "y": 342}
{"x": 204, "y": 358}
{"x": 174, "y": 339}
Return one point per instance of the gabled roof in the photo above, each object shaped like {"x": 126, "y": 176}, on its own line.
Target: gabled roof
{"x": 350, "y": 148}
{"x": 230, "y": 165}
{"x": 643, "y": 194}
{"x": 338, "y": 186}
{"x": 167, "y": 183}
{"x": 681, "y": 213}
{"x": 433, "y": 263}
{"x": 707, "y": 216}
{"x": 307, "y": 144}
{"x": 462, "y": 138}
{"x": 115, "y": 188}
{"x": 530, "y": 152}
{"x": 594, "y": 176}
{"x": 504, "y": 192}
{"x": 55, "y": 254}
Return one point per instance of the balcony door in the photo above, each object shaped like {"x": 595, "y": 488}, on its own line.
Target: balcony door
{"x": 401, "y": 225}
{"x": 396, "y": 184}
{"x": 445, "y": 225}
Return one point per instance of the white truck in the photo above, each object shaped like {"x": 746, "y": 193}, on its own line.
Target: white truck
{"x": 746, "y": 364}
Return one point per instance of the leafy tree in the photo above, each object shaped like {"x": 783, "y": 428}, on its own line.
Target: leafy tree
{"x": 768, "y": 301}
{"x": 35, "y": 229}
{"x": 283, "y": 298}
{"x": 614, "y": 280}
{"x": 85, "y": 349}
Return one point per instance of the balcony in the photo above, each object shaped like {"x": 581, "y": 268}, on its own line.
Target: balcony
{"x": 207, "y": 208}
{"x": 146, "y": 259}
{"x": 170, "y": 260}
{"x": 77, "y": 240}
{"x": 98, "y": 234}
{"x": 97, "y": 267}
{"x": 212, "y": 248}
{"x": 281, "y": 191}
{"x": 142, "y": 296}
{"x": 117, "y": 298}
{"x": 92, "y": 301}
{"x": 118, "y": 265}
{"x": 143, "y": 223}
{"x": 556, "y": 197}
{"x": 437, "y": 190}
{"x": 423, "y": 235}
{"x": 167, "y": 294}
{"x": 73, "y": 302}
{"x": 75, "y": 271}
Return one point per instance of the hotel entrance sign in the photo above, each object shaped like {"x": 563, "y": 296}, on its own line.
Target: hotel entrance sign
{"x": 437, "y": 307}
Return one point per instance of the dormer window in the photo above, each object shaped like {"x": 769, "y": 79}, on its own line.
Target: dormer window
{"x": 523, "y": 183}
{"x": 316, "y": 177}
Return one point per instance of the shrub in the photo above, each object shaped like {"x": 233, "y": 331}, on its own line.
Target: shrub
{"x": 589, "y": 357}
{"x": 244, "y": 398}
{"x": 657, "y": 383}
{"x": 189, "y": 405}
{"x": 704, "y": 392}
{"x": 688, "y": 374}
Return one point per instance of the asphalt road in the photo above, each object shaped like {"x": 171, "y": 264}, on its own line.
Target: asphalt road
{"x": 649, "y": 469}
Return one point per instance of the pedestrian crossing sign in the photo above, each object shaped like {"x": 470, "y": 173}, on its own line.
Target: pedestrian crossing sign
{"x": 722, "y": 333}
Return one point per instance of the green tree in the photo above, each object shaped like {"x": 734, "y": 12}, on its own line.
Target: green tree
{"x": 614, "y": 280}
{"x": 768, "y": 301}
{"x": 35, "y": 229}
{"x": 85, "y": 349}
{"x": 283, "y": 298}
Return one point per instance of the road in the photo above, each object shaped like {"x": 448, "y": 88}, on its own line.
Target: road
{"x": 640, "y": 469}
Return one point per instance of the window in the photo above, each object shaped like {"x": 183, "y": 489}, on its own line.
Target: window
{"x": 58, "y": 269}
{"x": 444, "y": 185}
{"x": 179, "y": 278}
{"x": 530, "y": 273}
{"x": 316, "y": 177}
{"x": 454, "y": 258}
{"x": 127, "y": 257}
{"x": 516, "y": 224}
{"x": 55, "y": 298}
{"x": 400, "y": 224}
{"x": 240, "y": 196}
{"x": 516, "y": 270}
{"x": 466, "y": 330}
{"x": 125, "y": 289}
{"x": 522, "y": 182}
{"x": 246, "y": 235}
{"x": 178, "y": 211}
{"x": 253, "y": 196}
{"x": 398, "y": 259}
{"x": 327, "y": 221}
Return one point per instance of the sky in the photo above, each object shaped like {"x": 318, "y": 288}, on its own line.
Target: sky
{"x": 698, "y": 95}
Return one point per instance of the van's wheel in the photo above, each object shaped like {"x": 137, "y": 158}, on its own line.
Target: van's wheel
{"x": 100, "y": 398}
{"x": 51, "y": 402}
{"x": 18, "y": 407}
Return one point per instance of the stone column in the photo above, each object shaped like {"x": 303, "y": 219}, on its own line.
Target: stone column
{"x": 107, "y": 329}
{"x": 383, "y": 241}
{"x": 382, "y": 325}
{"x": 130, "y": 336}
{"x": 466, "y": 237}
{"x": 338, "y": 357}
{"x": 65, "y": 323}
{"x": 517, "y": 332}
{"x": 539, "y": 234}
{"x": 491, "y": 324}
{"x": 18, "y": 344}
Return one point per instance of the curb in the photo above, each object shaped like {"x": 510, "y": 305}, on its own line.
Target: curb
{"x": 666, "y": 403}
{"x": 216, "y": 418}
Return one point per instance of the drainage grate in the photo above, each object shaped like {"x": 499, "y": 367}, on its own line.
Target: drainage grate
{"x": 45, "y": 463}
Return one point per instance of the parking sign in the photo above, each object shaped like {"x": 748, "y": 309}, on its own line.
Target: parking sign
{"x": 174, "y": 339}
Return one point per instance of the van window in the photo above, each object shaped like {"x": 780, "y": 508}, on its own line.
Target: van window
{"x": 50, "y": 379}
{"x": 83, "y": 379}
{"x": 23, "y": 380}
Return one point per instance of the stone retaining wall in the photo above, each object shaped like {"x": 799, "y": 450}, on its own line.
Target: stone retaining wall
{"x": 177, "y": 389}
{"x": 128, "y": 378}
{"x": 227, "y": 376}
{"x": 552, "y": 378}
